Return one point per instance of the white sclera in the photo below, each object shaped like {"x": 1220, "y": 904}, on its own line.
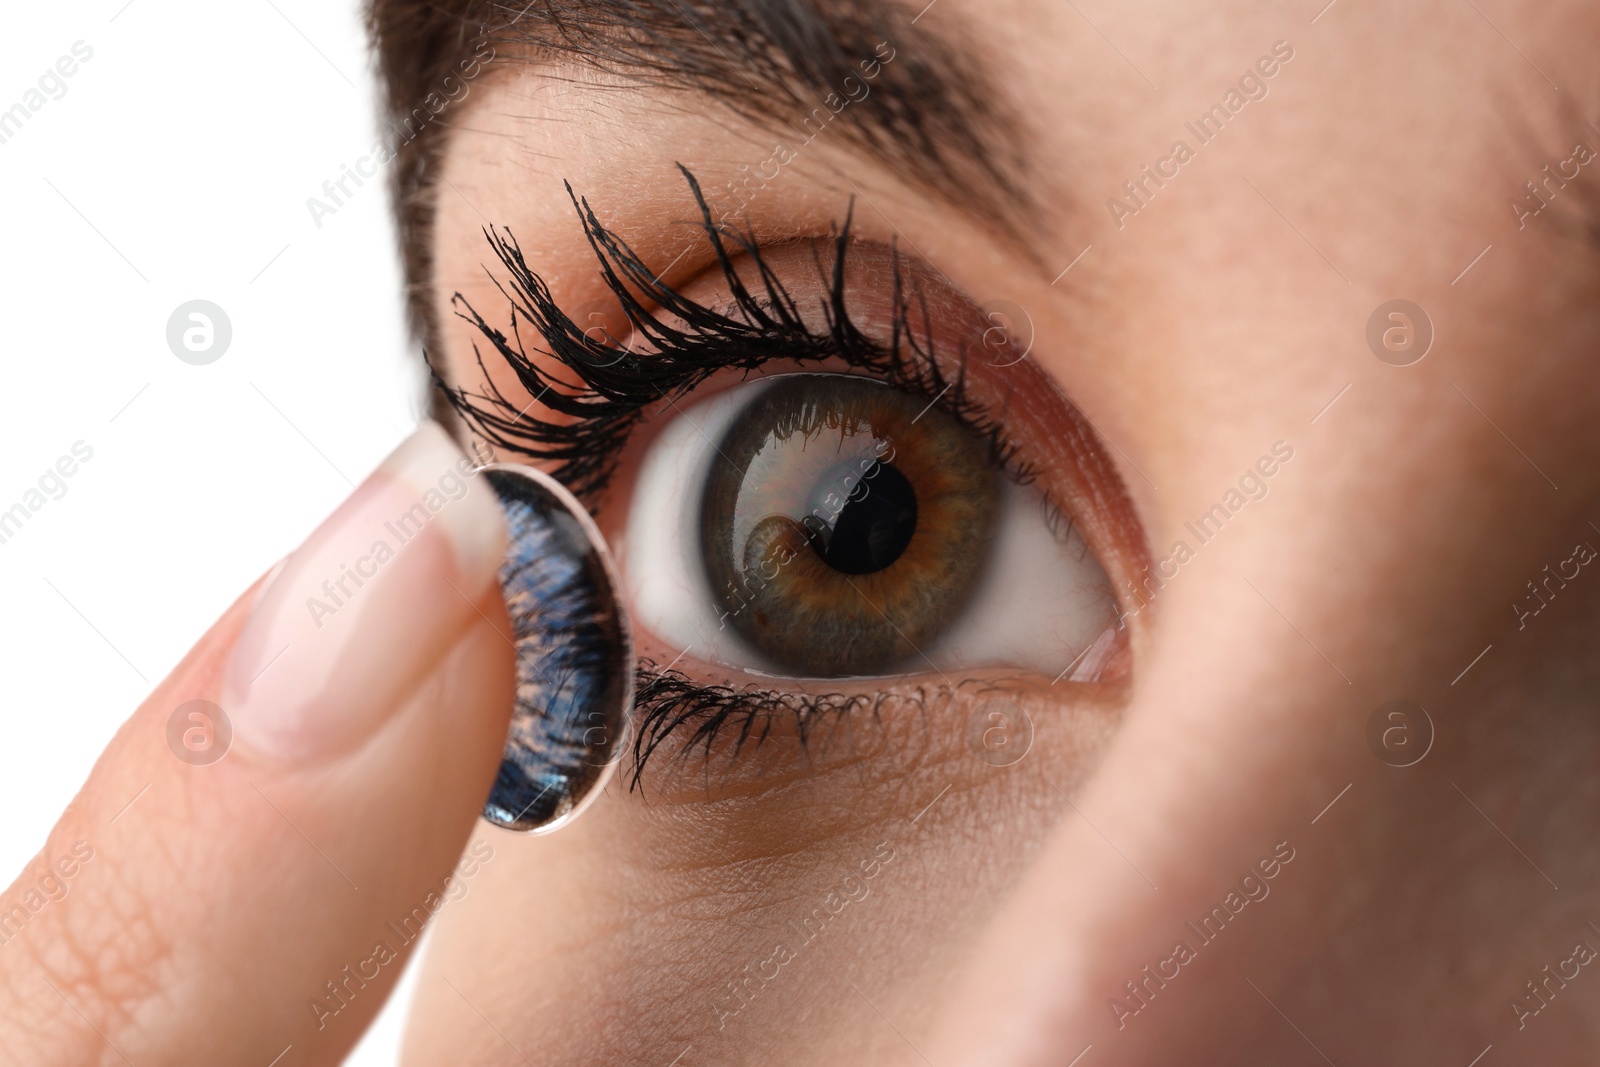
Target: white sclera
{"x": 1042, "y": 602}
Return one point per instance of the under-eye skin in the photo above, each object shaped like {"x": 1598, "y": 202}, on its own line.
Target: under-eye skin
{"x": 856, "y": 527}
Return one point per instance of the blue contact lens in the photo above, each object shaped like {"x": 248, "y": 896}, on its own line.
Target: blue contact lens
{"x": 574, "y": 655}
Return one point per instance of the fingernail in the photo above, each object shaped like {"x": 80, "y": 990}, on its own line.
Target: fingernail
{"x": 361, "y": 612}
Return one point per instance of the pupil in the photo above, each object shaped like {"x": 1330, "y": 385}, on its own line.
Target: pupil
{"x": 874, "y": 526}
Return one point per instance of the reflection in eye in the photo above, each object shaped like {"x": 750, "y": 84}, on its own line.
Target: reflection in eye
{"x": 821, "y": 525}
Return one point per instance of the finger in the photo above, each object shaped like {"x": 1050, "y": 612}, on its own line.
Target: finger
{"x": 194, "y": 910}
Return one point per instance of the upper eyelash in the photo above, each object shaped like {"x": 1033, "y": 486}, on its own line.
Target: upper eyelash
{"x": 615, "y": 386}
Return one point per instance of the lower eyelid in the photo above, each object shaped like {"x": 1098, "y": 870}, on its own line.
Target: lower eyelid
{"x": 742, "y": 726}
{"x": 699, "y": 740}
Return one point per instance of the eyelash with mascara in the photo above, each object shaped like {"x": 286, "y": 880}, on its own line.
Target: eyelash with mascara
{"x": 684, "y": 343}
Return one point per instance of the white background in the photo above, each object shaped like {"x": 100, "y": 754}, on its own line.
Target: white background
{"x": 176, "y": 167}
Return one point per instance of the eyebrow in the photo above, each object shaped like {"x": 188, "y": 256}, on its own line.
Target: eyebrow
{"x": 858, "y": 70}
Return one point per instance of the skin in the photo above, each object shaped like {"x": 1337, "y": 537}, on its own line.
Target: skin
{"x": 1007, "y": 906}
{"x": 1384, "y": 559}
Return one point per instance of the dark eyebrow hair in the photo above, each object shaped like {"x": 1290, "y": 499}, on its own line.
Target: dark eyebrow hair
{"x": 798, "y": 67}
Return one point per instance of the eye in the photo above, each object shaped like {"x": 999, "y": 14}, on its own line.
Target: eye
{"x": 827, "y": 525}
{"x": 940, "y": 508}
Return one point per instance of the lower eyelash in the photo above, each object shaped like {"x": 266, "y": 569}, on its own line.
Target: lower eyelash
{"x": 669, "y": 701}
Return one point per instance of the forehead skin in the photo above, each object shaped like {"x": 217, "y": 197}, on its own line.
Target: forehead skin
{"x": 1223, "y": 316}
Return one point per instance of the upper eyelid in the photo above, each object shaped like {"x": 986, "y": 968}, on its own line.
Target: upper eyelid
{"x": 1060, "y": 441}
{"x": 609, "y": 399}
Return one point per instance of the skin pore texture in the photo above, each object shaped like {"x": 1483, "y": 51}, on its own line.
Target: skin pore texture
{"x": 997, "y": 915}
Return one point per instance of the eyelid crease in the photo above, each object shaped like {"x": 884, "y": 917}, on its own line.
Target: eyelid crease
{"x": 613, "y": 387}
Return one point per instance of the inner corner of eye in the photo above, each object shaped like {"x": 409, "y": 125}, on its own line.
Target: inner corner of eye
{"x": 813, "y": 525}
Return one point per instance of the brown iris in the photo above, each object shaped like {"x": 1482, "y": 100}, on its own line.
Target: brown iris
{"x": 845, "y": 524}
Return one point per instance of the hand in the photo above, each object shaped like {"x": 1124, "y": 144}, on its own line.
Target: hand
{"x": 191, "y": 910}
